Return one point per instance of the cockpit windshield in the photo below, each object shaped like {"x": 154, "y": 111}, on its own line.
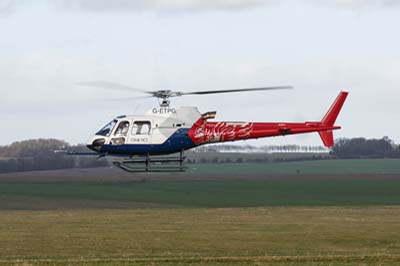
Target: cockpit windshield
{"x": 106, "y": 130}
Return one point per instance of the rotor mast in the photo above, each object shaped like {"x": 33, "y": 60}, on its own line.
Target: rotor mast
{"x": 164, "y": 101}
{"x": 163, "y": 98}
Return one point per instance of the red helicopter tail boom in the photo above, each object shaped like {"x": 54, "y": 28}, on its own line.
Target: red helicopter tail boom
{"x": 204, "y": 132}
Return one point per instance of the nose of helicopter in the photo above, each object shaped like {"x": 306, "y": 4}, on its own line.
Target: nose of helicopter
{"x": 90, "y": 146}
{"x": 96, "y": 144}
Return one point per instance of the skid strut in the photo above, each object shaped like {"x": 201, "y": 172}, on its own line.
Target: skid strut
{"x": 153, "y": 164}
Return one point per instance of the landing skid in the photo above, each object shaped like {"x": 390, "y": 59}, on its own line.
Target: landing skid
{"x": 153, "y": 164}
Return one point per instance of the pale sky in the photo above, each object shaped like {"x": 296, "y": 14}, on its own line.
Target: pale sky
{"x": 319, "y": 47}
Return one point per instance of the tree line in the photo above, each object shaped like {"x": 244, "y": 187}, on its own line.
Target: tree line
{"x": 40, "y": 154}
{"x": 359, "y": 148}
{"x": 293, "y": 148}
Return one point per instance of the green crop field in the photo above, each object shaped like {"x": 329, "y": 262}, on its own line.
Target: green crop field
{"x": 367, "y": 166}
{"x": 303, "y": 213}
{"x": 287, "y": 191}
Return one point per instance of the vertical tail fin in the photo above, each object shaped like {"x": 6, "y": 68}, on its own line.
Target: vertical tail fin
{"x": 333, "y": 112}
{"x": 330, "y": 118}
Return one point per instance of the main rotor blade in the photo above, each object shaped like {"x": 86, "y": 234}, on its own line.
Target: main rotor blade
{"x": 128, "y": 98}
{"x": 235, "y": 90}
{"x": 110, "y": 85}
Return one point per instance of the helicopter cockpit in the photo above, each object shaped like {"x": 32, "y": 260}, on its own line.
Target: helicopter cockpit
{"x": 122, "y": 130}
{"x": 120, "y": 134}
{"x": 107, "y": 129}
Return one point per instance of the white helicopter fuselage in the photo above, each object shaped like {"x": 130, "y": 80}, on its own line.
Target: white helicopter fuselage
{"x": 159, "y": 131}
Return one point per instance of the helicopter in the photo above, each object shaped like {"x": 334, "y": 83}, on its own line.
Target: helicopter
{"x": 148, "y": 139}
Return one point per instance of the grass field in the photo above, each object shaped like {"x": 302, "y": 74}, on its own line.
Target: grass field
{"x": 329, "y": 214}
{"x": 229, "y": 236}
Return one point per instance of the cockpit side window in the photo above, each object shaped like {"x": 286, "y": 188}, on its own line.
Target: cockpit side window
{"x": 107, "y": 129}
{"x": 141, "y": 128}
{"x": 122, "y": 129}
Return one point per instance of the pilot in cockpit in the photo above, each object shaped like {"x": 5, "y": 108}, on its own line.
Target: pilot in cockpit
{"x": 122, "y": 129}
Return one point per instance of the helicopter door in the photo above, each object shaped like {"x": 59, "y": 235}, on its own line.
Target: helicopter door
{"x": 141, "y": 132}
{"x": 121, "y": 133}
